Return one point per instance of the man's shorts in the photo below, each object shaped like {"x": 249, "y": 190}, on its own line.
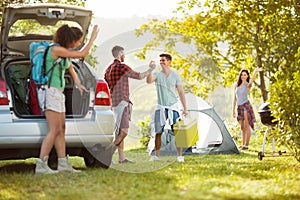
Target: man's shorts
{"x": 55, "y": 100}
{"x": 125, "y": 118}
{"x": 157, "y": 126}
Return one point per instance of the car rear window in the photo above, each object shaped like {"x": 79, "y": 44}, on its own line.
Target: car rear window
{"x": 27, "y": 27}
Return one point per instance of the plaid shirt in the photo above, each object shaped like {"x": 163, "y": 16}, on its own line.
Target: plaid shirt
{"x": 117, "y": 77}
{"x": 250, "y": 113}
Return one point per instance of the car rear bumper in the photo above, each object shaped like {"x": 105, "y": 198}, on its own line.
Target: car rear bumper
{"x": 96, "y": 127}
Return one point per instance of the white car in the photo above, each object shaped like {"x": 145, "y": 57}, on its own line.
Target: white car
{"x": 89, "y": 119}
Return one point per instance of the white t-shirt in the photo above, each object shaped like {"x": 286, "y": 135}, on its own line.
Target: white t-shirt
{"x": 166, "y": 88}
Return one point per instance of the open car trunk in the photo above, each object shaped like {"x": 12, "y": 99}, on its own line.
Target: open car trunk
{"x": 26, "y": 23}
{"x": 22, "y": 91}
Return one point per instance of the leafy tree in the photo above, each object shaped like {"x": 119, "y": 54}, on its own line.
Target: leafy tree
{"x": 144, "y": 131}
{"x": 228, "y": 35}
{"x": 284, "y": 103}
{"x": 4, "y": 3}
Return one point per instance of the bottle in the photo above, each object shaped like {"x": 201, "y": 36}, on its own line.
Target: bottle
{"x": 153, "y": 66}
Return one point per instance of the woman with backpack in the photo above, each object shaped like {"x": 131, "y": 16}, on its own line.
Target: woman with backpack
{"x": 67, "y": 38}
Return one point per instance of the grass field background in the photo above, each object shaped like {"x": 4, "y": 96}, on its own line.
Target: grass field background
{"x": 238, "y": 176}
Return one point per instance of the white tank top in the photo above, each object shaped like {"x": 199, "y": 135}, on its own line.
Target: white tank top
{"x": 242, "y": 94}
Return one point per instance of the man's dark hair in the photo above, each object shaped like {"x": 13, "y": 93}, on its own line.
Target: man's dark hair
{"x": 166, "y": 55}
{"x": 115, "y": 50}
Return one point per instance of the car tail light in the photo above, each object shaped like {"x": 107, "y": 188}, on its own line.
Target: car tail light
{"x": 3, "y": 93}
{"x": 102, "y": 95}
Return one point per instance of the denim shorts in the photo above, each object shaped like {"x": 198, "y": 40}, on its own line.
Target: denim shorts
{"x": 157, "y": 126}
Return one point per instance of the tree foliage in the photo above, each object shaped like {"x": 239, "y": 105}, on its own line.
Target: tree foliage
{"x": 226, "y": 36}
{"x": 285, "y": 98}
{"x": 144, "y": 130}
{"x": 229, "y": 35}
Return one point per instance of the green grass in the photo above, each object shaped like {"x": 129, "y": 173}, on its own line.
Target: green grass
{"x": 241, "y": 176}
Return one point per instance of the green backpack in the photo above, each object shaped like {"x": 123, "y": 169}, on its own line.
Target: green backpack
{"x": 19, "y": 77}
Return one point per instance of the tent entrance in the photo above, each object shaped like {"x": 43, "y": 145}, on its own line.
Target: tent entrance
{"x": 214, "y": 137}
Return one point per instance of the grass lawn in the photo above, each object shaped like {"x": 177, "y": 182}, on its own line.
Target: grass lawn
{"x": 240, "y": 176}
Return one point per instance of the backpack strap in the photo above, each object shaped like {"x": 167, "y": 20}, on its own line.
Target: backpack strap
{"x": 60, "y": 70}
{"x": 44, "y": 61}
{"x": 56, "y": 62}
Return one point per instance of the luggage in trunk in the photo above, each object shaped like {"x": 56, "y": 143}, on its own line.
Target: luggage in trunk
{"x": 24, "y": 94}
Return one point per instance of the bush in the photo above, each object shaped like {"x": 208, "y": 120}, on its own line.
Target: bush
{"x": 284, "y": 104}
{"x": 144, "y": 131}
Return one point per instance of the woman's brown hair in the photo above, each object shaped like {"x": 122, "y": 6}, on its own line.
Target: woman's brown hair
{"x": 66, "y": 35}
{"x": 239, "y": 81}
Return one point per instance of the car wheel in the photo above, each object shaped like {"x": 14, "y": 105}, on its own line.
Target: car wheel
{"x": 92, "y": 162}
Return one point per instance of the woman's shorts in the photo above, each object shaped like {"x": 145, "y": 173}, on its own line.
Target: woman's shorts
{"x": 157, "y": 126}
{"x": 55, "y": 100}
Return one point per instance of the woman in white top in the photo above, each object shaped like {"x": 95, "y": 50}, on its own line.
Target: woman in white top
{"x": 245, "y": 112}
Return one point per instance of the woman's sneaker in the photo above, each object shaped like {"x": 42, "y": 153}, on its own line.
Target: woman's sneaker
{"x": 42, "y": 167}
{"x": 64, "y": 165}
{"x": 180, "y": 159}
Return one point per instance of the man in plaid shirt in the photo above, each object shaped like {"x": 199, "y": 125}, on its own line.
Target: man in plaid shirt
{"x": 117, "y": 77}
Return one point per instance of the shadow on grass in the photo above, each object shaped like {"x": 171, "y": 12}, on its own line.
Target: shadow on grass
{"x": 17, "y": 168}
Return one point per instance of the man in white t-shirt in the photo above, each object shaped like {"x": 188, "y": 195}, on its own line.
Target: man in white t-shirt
{"x": 168, "y": 84}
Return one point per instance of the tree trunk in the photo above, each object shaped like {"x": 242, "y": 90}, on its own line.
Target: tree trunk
{"x": 259, "y": 63}
{"x": 262, "y": 85}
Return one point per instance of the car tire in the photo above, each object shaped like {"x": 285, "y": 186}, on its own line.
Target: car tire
{"x": 92, "y": 162}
